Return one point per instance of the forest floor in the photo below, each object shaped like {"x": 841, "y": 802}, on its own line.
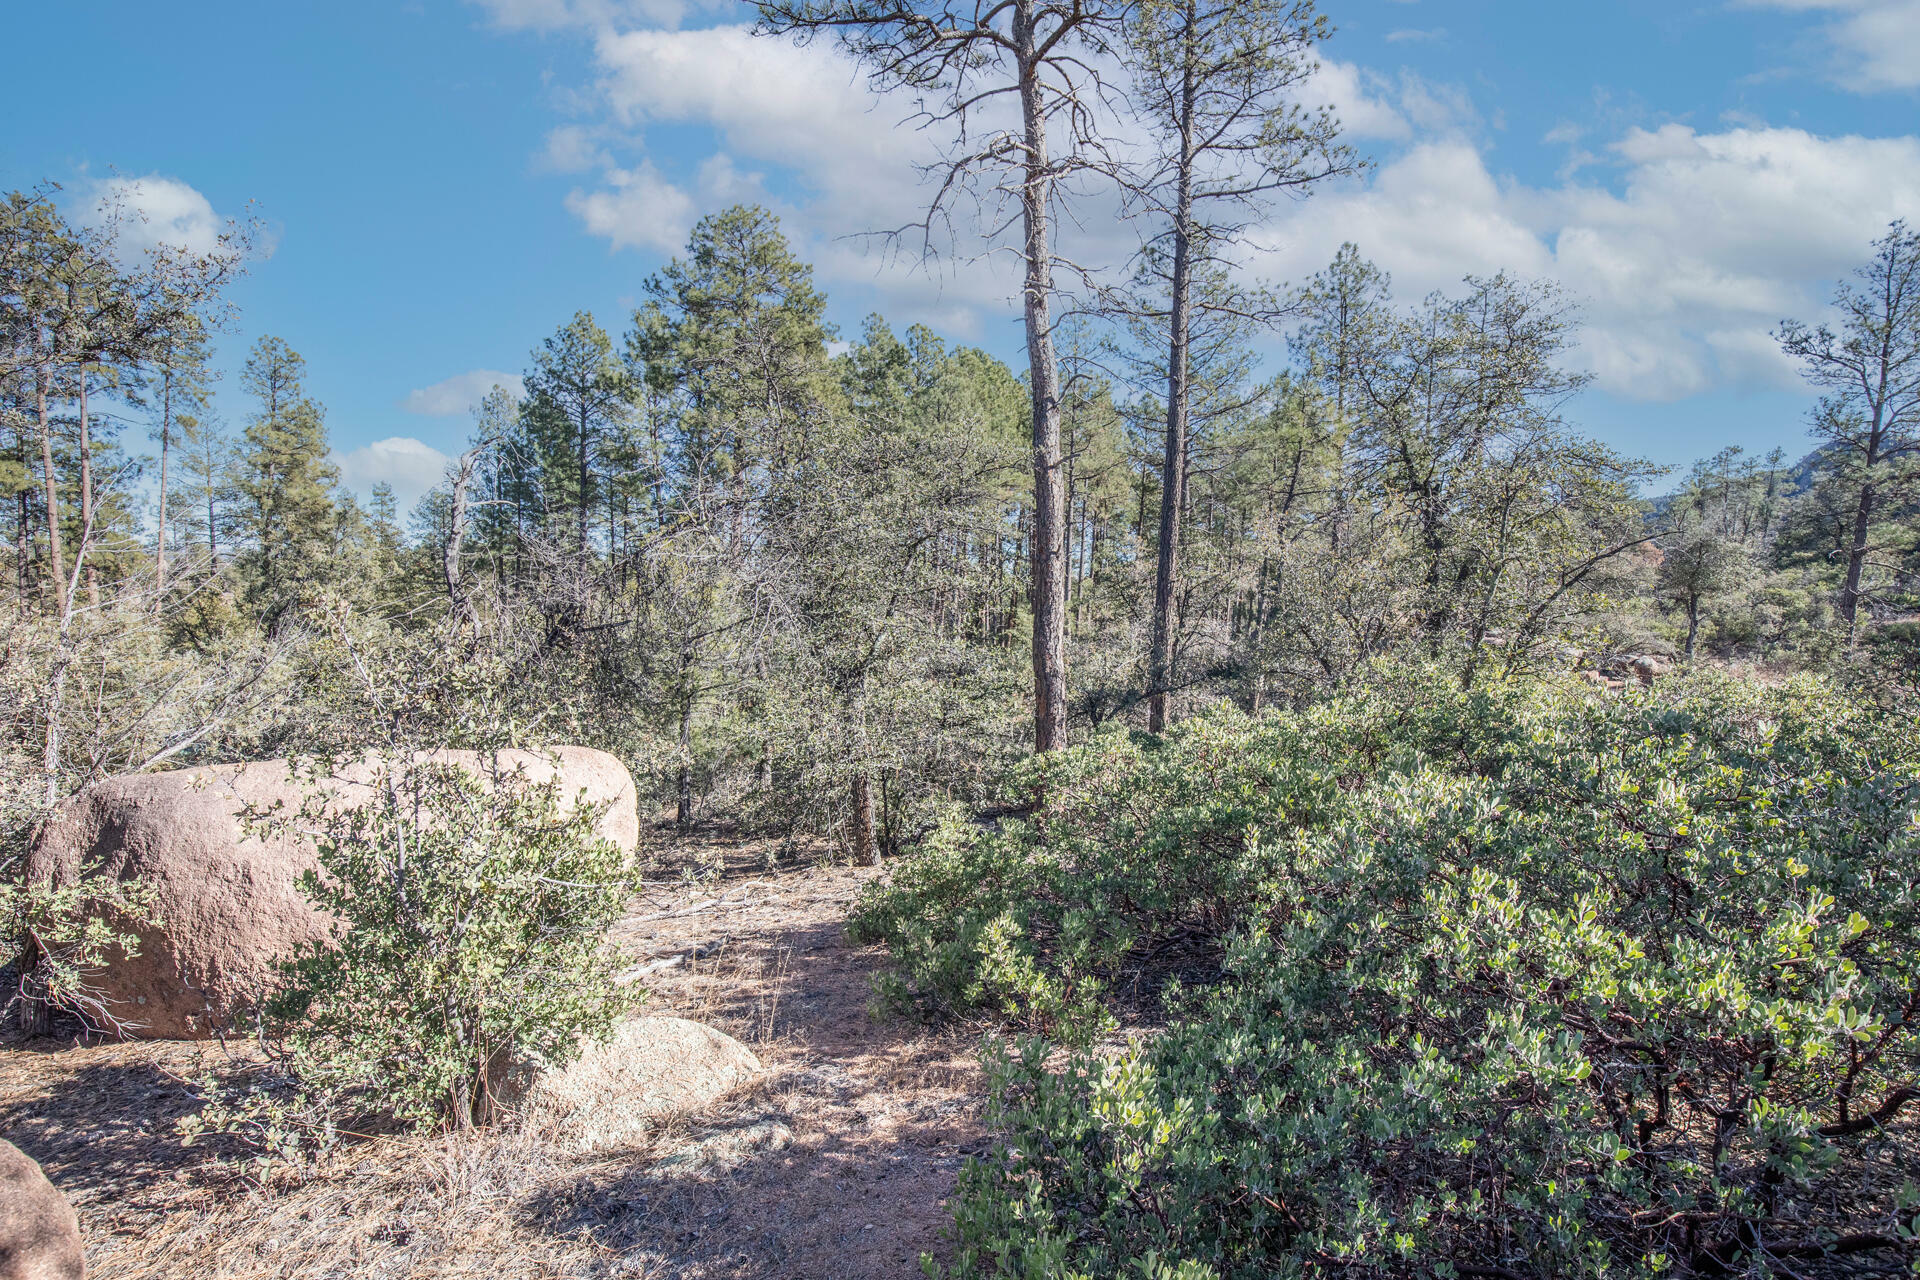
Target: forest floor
{"x": 834, "y": 1164}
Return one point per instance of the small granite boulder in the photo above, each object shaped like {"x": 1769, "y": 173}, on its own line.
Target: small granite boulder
{"x": 652, "y": 1070}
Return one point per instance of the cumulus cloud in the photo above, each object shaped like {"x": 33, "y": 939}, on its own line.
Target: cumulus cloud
{"x": 849, "y": 165}
{"x": 460, "y": 393}
{"x": 1359, "y": 98}
{"x": 154, "y": 210}
{"x": 1685, "y": 263}
{"x": 636, "y": 208}
{"x": 411, "y": 466}
{"x": 1875, "y": 44}
{"x": 1686, "y": 246}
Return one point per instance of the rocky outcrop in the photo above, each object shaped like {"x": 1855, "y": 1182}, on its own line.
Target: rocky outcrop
{"x": 224, "y": 893}
{"x": 651, "y": 1070}
{"x": 39, "y": 1231}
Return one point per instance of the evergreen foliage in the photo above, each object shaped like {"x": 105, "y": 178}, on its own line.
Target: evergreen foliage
{"x": 1520, "y": 982}
{"x": 472, "y": 912}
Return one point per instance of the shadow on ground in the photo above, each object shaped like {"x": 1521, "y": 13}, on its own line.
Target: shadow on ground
{"x": 104, "y": 1126}
{"x": 840, "y": 1160}
{"x": 834, "y": 1164}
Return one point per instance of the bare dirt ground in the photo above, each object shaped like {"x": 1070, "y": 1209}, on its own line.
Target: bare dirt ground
{"x": 835, "y": 1164}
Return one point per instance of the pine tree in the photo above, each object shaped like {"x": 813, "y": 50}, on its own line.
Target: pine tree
{"x": 579, "y": 393}
{"x": 203, "y": 503}
{"x": 1213, "y": 86}
{"x": 180, "y": 384}
{"x": 733, "y": 339}
{"x": 285, "y": 479}
{"x": 1869, "y": 418}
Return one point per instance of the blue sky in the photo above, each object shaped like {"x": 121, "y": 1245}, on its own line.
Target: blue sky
{"x": 444, "y": 182}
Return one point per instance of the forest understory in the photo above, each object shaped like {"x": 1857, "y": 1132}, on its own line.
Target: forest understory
{"x": 836, "y": 1162}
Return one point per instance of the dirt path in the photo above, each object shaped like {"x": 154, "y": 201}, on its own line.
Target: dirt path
{"x": 834, "y": 1165}
{"x": 879, "y": 1115}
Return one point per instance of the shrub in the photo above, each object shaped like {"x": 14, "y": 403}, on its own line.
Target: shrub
{"x": 1629, "y": 987}
{"x": 1143, "y": 848}
{"x": 471, "y": 939}
{"x": 56, "y": 939}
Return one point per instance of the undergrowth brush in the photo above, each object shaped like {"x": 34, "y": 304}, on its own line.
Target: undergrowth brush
{"x": 1518, "y": 982}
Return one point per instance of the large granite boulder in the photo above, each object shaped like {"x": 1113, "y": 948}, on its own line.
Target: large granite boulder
{"x": 225, "y": 895}
{"x": 39, "y": 1231}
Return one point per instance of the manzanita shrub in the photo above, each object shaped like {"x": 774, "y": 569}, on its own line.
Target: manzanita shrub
{"x": 1567, "y": 985}
{"x": 1049, "y": 920}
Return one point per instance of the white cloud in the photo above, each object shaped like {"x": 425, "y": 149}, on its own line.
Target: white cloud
{"x": 411, "y": 466}
{"x": 806, "y": 111}
{"x": 1875, "y": 44}
{"x": 1685, "y": 264}
{"x": 154, "y": 210}
{"x": 1358, "y": 97}
{"x": 638, "y": 209}
{"x": 1686, "y": 247}
{"x": 768, "y": 98}
{"x": 460, "y": 393}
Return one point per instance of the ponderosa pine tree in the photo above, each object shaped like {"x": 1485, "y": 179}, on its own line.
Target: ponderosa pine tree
{"x": 181, "y": 384}
{"x": 285, "y": 479}
{"x": 962, "y": 64}
{"x": 82, "y": 309}
{"x": 204, "y": 500}
{"x": 731, "y": 347}
{"x": 732, "y": 343}
{"x": 577, "y": 386}
{"x": 1868, "y": 418}
{"x": 1212, "y": 83}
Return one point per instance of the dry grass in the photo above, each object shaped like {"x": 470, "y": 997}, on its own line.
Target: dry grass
{"x": 834, "y": 1164}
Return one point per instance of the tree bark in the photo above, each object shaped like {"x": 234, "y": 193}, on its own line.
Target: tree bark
{"x": 1857, "y": 556}
{"x": 1049, "y": 499}
{"x": 86, "y": 489}
{"x": 213, "y": 531}
{"x": 866, "y": 849}
{"x": 585, "y": 478}
{"x": 1173, "y": 468}
{"x": 160, "y": 538}
{"x": 23, "y": 544}
{"x": 55, "y": 558}
{"x": 456, "y": 532}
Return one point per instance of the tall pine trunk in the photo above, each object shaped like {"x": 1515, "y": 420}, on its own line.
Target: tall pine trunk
{"x": 86, "y": 491}
{"x": 1049, "y": 498}
{"x": 585, "y": 478}
{"x": 1857, "y": 552}
{"x": 55, "y": 557}
{"x": 1173, "y": 462}
{"x": 160, "y": 537}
